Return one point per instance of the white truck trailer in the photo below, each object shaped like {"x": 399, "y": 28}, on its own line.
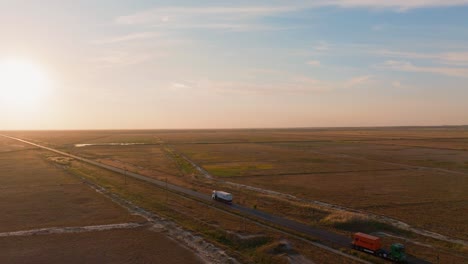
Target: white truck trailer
{"x": 222, "y": 196}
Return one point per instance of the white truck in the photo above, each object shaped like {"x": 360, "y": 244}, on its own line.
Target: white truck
{"x": 222, "y": 196}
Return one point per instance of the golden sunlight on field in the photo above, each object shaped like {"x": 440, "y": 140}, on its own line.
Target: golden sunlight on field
{"x": 22, "y": 83}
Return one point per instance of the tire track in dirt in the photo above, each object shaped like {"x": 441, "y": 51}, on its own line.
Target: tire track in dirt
{"x": 73, "y": 229}
{"x": 310, "y": 173}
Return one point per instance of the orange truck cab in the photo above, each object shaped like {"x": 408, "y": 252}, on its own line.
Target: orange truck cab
{"x": 366, "y": 242}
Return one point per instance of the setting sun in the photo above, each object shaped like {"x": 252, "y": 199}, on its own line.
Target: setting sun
{"x": 22, "y": 83}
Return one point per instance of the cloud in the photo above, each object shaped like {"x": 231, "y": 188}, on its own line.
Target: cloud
{"x": 128, "y": 37}
{"x": 306, "y": 84}
{"x": 321, "y": 46}
{"x": 168, "y": 14}
{"x": 358, "y": 80}
{"x": 396, "y": 84}
{"x": 178, "y": 85}
{"x": 460, "y": 58}
{"x": 243, "y": 12}
{"x": 249, "y": 17}
{"x": 239, "y": 27}
{"x": 377, "y": 27}
{"x": 242, "y": 18}
{"x": 313, "y": 63}
{"x": 121, "y": 58}
{"x": 292, "y": 84}
{"x": 407, "y": 66}
{"x": 316, "y": 49}
{"x": 397, "y": 5}
{"x": 454, "y": 58}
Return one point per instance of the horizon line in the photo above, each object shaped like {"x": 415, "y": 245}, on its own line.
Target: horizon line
{"x": 241, "y": 128}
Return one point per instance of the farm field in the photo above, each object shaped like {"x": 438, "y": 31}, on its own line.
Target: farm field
{"x": 149, "y": 157}
{"x": 37, "y": 195}
{"x": 382, "y": 179}
{"x": 423, "y": 186}
{"x": 251, "y": 242}
{"x": 48, "y": 209}
{"x": 415, "y": 175}
{"x": 115, "y": 246}
{"x": 397, "y": 172}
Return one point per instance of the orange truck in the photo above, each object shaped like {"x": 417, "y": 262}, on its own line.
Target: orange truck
{"x": 373, "y": 245}
{"x": 367, "y": 243}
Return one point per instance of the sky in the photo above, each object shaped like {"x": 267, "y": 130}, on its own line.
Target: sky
{"x": 115, "y": 64}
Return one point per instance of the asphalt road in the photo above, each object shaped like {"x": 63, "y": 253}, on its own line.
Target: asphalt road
{"x": 321, "y": 234}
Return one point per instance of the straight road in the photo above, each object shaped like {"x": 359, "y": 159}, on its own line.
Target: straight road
{"x": 321, "y": 234}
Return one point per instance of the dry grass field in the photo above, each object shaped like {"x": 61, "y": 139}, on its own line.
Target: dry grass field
{"x": 45, "y": 191}
{"x": 115, "y": 246}
{"x": 401, "y": 180}
{"x": 416, "y": 175}
{"x": 249, "y": 242}
{"x": 37, "y": 194}
{"x": 149, "y": 157}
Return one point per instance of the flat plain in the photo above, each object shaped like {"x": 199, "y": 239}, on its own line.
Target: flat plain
{"x": 401, "y": 173}
{"x": 37, "y": 196}
{"x": 417, "y": 175}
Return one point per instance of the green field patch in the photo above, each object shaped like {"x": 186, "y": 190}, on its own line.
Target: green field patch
{"x": 237, "y": 168}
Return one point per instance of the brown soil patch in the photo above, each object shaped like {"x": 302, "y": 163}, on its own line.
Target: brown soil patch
{"x": 35, "y": 194}
{"x": 113, "y": 246}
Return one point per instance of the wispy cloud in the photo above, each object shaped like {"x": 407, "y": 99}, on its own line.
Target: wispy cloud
{"x": 321, "y": 46}
{"x": 357, "y": 81}
{"x": 167, "y": 14}
{"x": 241, "y": 18}
{"x": 293, "y": 84}
{"x": 122, "y": 58}
{"x": 454, "y": 58}
{"x": 396, "y": 84}
{"x": 315, "y": 49}
{"x": 128, "y": 37}
{"x": 249, "y": 17}
{"x": 378, "y": 27}
{"x": 313, "y": 63}
{"x": 459, "y": 58}
{"x": 398, "y": 5}
{"x": 179, "y": 85}
{"x": 290, "y": 86}
{"x": 407, "y": 66}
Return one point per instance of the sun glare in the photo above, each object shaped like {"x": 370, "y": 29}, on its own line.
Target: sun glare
{"x": 22, "y": 83}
